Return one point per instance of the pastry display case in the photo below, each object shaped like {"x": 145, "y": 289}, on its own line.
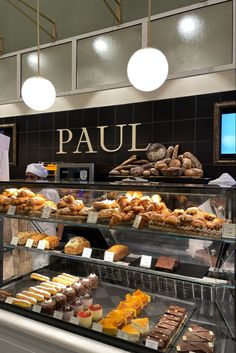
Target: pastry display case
{"x": 140, "y": 267}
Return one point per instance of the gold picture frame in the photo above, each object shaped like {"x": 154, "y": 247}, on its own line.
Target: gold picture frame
{"x": 218, "y": 157}
{"x": 10, "y": 131}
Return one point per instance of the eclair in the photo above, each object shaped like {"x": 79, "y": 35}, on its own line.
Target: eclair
{"x": 22, "y": 303}
{"x": 39, "y": 277}
{"x": 44, "y": 293}
{"x": 38, "y": 297}
{"x": 26, "y": 297}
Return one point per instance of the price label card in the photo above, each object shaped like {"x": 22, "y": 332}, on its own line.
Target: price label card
{"x": 9, "y": 300}
{"x": 11, "y": 210}
{"x": 92, "y": 217}
{"x": 29, "y": 243}
{"x": 37, "y": 308}
{"x": 41, "y": 245}
{"x": 229, "y": 230}
{"x": 14, "y": 241}
{"x": 137, "y": 221}
{"x": 46, "y": 212}
{"x": 146, "y": 261}
{"x": 121, "y": 334}
{"x": 109, "y": 256}
{"x": 97, "y": 327}
{"x": 57, "y": 315}
{"x": 151, "y": 344}
{"x": 74, "y": 320}
{"x": 87, "y": 252}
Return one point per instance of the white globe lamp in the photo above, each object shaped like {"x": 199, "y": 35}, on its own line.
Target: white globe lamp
{"x": 38, "y": 93}
{"x": 147, "y": 69}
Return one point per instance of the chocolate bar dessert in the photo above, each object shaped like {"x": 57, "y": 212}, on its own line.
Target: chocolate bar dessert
{"x": 167, "y": 263}
{"x": 196, "y": 339}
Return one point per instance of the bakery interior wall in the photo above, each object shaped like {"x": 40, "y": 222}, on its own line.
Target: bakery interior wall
{"x": 187, "y": 121}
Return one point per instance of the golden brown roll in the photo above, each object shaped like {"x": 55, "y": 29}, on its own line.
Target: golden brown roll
{"x": 76, "y": 245}
{"x": 120, "y": 251}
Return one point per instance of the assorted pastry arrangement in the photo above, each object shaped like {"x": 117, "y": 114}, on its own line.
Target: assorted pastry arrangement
{"x": 161, "y": 161}
{"x": 196, "y": 339}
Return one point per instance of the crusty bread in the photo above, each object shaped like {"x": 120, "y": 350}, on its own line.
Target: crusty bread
{"x": 120, "y": 251}
{"x": 76, "y": 245}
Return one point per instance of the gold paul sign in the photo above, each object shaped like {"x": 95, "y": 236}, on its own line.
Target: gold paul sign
{"x": 66, "y": 136}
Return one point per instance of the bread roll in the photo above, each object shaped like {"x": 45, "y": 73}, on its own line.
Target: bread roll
{"x": 120, "y": 251}
{"x": 175, "y": 163}
{"x": 194, "y": 160}
{"x": 76, "y": 245}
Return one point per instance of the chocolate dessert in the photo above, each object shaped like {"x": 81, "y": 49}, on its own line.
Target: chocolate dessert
{"x": 167, "y": 263}
{"x": 60, "y": 300}
{"x": 48, "y": 307}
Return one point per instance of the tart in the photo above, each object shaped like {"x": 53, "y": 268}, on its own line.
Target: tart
{"x": 142, "y": 325}
{"x": 133, "y": 335}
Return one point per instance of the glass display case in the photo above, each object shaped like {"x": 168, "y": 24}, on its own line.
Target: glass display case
{"x": 141, "y": 267}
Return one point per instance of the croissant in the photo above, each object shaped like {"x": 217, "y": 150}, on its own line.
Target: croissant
{"x": 9, "y": 192}
{"x": 3, "y": 199}
{"x": 68, "y": 199}
{"x": 128, "y": 217}
{"x": 123, "y": 202}
{"x": 20, "y": 200}
{"x": 197, "y": 223}
{"x": 156, "y": 217}
{"x": 172, "y": 220}
{"x": 135, "y": 202}
{"x": 25, "y": 192}
{"x": 36, "y": 200}
{"x": 76, "y": 205}
{"x": 116, "y": 218}
{"x": 138, "y": 209}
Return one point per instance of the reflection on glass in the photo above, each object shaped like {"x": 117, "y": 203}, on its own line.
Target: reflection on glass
{"x": 190, "y": 27}
{"x": 101, "y": 45}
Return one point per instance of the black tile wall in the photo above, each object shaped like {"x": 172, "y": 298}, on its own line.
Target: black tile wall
{"x": 187, "y": 121}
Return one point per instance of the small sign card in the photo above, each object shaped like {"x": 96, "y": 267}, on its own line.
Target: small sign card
{"x": 97, "y": 327}
{"x": 151, "y": 344}
{"x": 137, "y": 221}
{"x": 87, "y": 252}
{"x": 41, "y": 244}
{"x": 14, "y": 241}
{"x": 37, "y": 308}
{"x": 58, "y": 315}
{"x": 29, "y": 243}
{"x": 11, "y": 210}
{"x": 146, "y": 261}
{"x": 109, "y": 256}
{"x": 74, "y": 320}
{"x": 229, "y": 230}
{"x": 92, "y": 217}
{"x": 46, "y": 212}
{"x": 9, "y": 300}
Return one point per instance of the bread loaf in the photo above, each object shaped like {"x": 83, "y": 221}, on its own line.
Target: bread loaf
{"x": 194, "y": 160}
{"x": 76, "y": 245}
{"x": 120, "y": 251}
{"x": 51, "y": 242}
{"x": 193, "y": 172}
{"x": 175, "y": 163}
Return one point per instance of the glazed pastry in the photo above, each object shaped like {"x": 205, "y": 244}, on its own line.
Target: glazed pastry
{"x": 38, "y": 297}
{"x": 76, "y": 245}
{"x": 60, "y": 280}
{"x": 60, "y": 300}
{"x": 26, "y": 297}
{"x": 120, "y": 251}
{"x": 21, "y": 303}
{"x": 4, "y": 295}
{"x": 85, "y": 318}
{"x": 39, "y": 277}
{"x": 75, "y": 278}
{"x": 51, "y": 290}
{"x": 133, "y": 335}
{"x": 142, "y": 325}
{"x": 67, "y": 312}
{"x": 43, "y": 292}
{"x": 58, "y": 286}
{"x": 96, "y": 311}
{"x": 48, "y": 307}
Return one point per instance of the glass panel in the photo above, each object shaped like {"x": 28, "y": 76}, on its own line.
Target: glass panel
{"x": 55, "y": 65}
{"x": 195, "y": 39}
{"x": 103, "y": 59}
{"x": 8, "y": 79}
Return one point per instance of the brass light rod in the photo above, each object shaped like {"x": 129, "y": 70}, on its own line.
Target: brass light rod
{"x": 1, "y": 45}
{"x": 117, "y": 13}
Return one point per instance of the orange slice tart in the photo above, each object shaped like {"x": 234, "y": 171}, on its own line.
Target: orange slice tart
{"x": 142, "y": 325}
{"x": 132, "y": 334}
{"x": 109, "y": 326}
{"x": 143, "y": 296}
{"x": 118, "y": 317}
{"x": 127, "y": 305}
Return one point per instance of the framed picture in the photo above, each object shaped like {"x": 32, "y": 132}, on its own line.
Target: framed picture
{"x": 225, "y": 133}
{"x": 10, "y": 131}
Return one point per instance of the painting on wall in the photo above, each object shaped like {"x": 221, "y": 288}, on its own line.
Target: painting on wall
{"x": 10, "y": 131}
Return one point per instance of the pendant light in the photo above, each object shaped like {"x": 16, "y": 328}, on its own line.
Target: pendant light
{"x": 38, "y": 92}
{"x": 147, "y": 68}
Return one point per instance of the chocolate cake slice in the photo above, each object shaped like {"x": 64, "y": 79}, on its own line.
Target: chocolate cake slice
{"x": 167, "y": 263}
{"x": 169, "y": 322}
{"x": 172, "y": 317}
{"x": 177, "y": 309}
{"x": 196, "y": 328}
{"x": 162, "y": 331}
{"x": 185, "y": 347}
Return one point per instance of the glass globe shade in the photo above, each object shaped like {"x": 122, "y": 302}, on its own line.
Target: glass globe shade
{"x": 38, "y": 93}
{"x": 147, "y": 69}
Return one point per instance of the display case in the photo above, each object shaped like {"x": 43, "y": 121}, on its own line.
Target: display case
{"x": 140, "y": 267}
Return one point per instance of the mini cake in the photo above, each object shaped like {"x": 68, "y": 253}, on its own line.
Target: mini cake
{"x": 79, "y": 288}
{"x": 70, "y": 294}
{"x": 86, "y": 283}
{"x": 48, "y": 307}
{"x": 67, "y": 312}
{"x": 93, "y": 280}
{"x": 85, "y": 318}
{"x": 77, "y": 305}
{"x": 87, "y": 300}
{"x": 96, "y": 311}
{"x": 60, "y": 300}
{"x": 142, "y": 325}
{"x": 132, "y": 334}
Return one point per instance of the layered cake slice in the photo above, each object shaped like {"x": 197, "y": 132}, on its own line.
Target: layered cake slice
{"x": 132, "y": 334}
{"x": 142, "y": 325}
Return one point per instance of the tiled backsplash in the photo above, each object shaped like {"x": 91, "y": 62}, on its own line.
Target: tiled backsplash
{"x": 187, "y": 121}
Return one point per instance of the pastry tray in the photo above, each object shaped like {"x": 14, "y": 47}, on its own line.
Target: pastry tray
{"x": 183, "y": 269}
{"x": 108, "y": 295}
